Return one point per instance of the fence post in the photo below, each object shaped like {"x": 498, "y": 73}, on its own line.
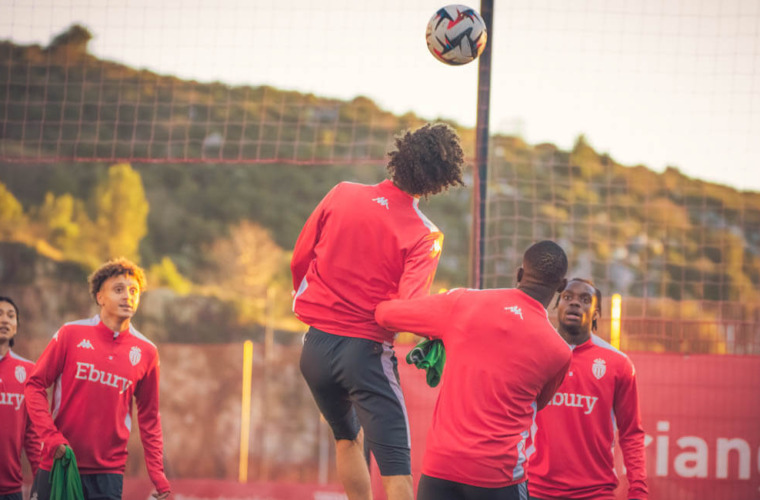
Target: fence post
{"x": 617, "y": 301}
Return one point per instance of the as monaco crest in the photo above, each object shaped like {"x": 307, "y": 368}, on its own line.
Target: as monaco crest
{"x": 20, "y": 374}
{"x": 599, "y": 368}
{"x": 134, "y": 355}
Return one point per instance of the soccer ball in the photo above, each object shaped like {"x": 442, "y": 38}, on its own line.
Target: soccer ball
{"x": 456, "y": 34}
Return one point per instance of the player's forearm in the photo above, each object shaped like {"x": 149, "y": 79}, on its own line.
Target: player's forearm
{"x": 35, "y": 396}
{"x": 32, "y": 445}
{"x": 153, "y": 447}
{"x": 404, "y": 316}
{"x": 632, "y": 447}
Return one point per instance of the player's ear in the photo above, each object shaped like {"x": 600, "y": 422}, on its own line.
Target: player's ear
{"x": 595, "y": 319}
{"x": 562, "y": 285}
{"x": 520, "y": 273}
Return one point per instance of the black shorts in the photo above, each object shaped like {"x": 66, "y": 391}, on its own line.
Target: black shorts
{"x": 355, "y": 383}
{"x": 94, "y": 486}
{"x": 432, "y": 488}
{"x": 12, "y": 496}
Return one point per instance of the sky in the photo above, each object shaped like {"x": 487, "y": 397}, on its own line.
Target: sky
{"x": 652, "y": 82}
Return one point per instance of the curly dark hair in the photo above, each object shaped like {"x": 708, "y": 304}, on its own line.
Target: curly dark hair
{"x": 115, "y": 267}
{"x": 427, "y": 161}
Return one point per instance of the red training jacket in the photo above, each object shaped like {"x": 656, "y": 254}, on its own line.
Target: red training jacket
{"x": 574, "y": 444}
{"x": 504, "y": 361}
{"x": 16, "y": 430}
{"x": 362, "y": 245}
{"x": 96, "y": 373}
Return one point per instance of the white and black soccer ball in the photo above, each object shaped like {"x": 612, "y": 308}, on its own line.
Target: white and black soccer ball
{"x": 456, "y": 34}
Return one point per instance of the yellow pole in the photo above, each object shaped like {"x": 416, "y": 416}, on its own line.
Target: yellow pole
{"x": 245, "y": 412}
{"x": 617, "y": 302}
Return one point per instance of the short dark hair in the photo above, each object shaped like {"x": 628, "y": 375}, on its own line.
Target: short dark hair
{"x": 597, "y": 294}
{"x": 546, "y": 262}
{"x": 427, "y": 161}
{"x": 115, "y": 267}
{"x": 18, "y": 318}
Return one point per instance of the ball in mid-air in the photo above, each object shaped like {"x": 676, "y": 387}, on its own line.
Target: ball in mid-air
{"x": 456, "y": 34}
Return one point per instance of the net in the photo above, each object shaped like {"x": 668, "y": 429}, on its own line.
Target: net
{"x": 279, "y": 83}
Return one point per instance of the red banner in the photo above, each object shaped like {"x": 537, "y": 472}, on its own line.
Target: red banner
{"x": 210, "y": 489}
{"x": 701, "y": 414}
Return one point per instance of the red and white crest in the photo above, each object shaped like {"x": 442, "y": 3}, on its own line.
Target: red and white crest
{"x": 599, "y": 368}
{"x": 134, "y": 355}
{"x": 20, "y": 374}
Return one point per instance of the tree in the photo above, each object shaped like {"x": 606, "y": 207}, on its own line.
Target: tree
{"x": 72, "y": 42}
{"x": 246, "y": 266}
{"x": 11, "y": 213}
{"x": 121, "y": 213}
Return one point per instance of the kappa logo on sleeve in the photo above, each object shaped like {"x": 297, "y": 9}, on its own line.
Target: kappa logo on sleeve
{"x": 514, "y": 310}
{"x": 383, "y": 201}
{"x": 85, "y": 344}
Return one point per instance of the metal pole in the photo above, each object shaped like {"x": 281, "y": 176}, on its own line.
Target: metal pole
{"x": 481, "y": 149}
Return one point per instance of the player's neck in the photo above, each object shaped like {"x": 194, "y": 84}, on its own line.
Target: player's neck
{"x": 4, "y": 348}
{"x": 574, "y": 339}
{"x": 539, "y": 293}
{"x": 114, "y": 323}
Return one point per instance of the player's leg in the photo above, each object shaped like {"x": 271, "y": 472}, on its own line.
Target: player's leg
{"x": 317, "y": 359}
{"x": 432, "y": 488}
{"x": 371, "y": 374}
{"x": 398, "y": 487}
{"x": 102, "y": 486}
{"x": 352, "y": 468}
{"x": 41, "y": 485}
{"x": 513, "y": 492}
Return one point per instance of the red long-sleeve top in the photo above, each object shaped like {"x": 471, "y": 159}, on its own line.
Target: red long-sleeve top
{"x": 504, "y": 360}
{"x": 16, "y": 431}
{"x": 96, "y": 373}
{"x": 361, "y": 245}
{"x": 574, "y": 445}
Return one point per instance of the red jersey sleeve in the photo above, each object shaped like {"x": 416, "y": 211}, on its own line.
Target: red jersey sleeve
{"x": 420, "y": 267}
{"x": 303, "y": 252}
{"x": 630, "y": 431}
{"x": 428, "y": 316}
{"x": 32, "y": 446}
{"x": 45, "y": 372}
{"x": 552, "y": 385}
{"x": 149, "y": 421}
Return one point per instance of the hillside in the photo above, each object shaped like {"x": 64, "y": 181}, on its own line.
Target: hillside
{"x": 212, "y": 159}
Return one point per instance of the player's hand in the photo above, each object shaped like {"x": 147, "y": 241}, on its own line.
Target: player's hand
{"x": 60, "y": 452}
{"x": 161, "y": 496}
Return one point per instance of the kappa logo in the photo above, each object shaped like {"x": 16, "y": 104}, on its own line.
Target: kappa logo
{"x": 20, "y": 374}
{"x": 599, "y": 368}
{"x": 85, "y": 344}
{"x": 382, "y": 201}
{"x": 514, "y": 310}
{"x": 134, "y": 355}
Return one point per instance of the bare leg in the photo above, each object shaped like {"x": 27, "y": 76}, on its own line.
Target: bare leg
{"x": 352, "y": 468}
{"x": 398, "y": 487}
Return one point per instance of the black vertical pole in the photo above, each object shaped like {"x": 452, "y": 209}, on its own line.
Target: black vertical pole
{"x": 481, "y": 149}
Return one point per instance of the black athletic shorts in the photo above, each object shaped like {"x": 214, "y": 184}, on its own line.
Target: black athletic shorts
{"x": 94, "y": 486}
{"x": 432, "y": 488}
{"x": 355, "y": 383}
{"x": 12, "y": 496}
